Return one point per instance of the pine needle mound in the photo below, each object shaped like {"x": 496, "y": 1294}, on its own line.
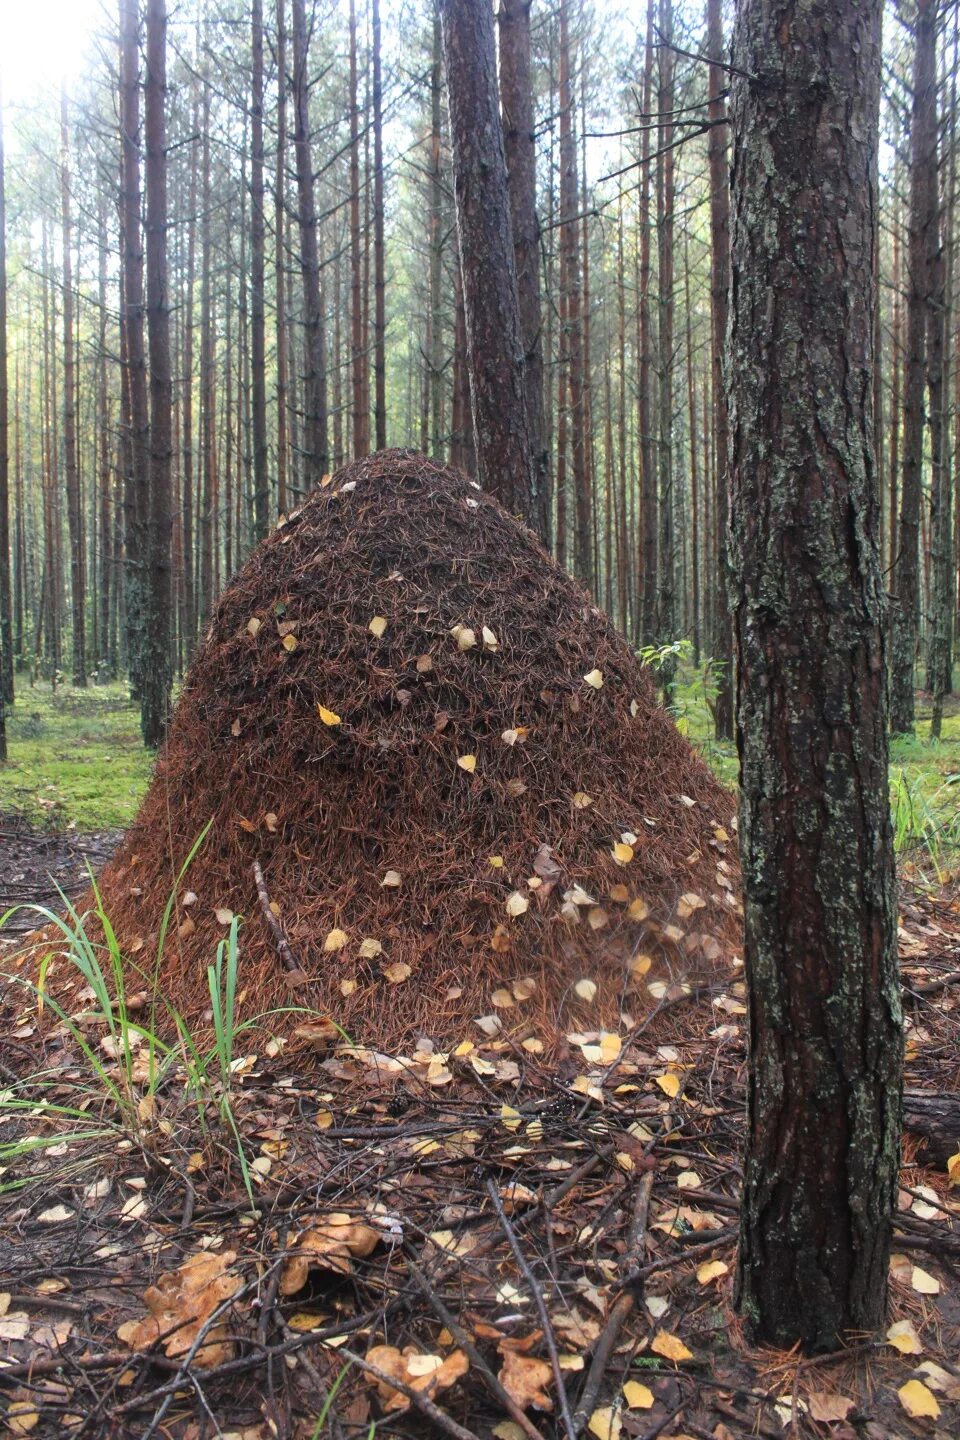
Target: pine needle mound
{"x": 452, "y": 771}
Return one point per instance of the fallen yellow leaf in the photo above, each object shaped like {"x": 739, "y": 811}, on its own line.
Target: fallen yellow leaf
{"x": 594, "y": 678}
{"x": 605, "y": 1423}
{"x": 711, "y": 1270}
{"x": 467, "y": 762}
{"x": 671, "y": 1347}
{"x": 637, "y": 1396}
{"x": 903, "y": 1337}
{"x": 329, "y": 717}
{"x": 918, "y": 1401}
{"x": 377, "y": 626}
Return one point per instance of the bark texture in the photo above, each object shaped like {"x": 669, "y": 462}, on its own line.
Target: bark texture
{"x": 155, "y": 705}
{"x": 519, "y": 137}
{"x": 922, "y": 243}
{"x": 494, "y": 345}
{"x": 826, "y": 1048}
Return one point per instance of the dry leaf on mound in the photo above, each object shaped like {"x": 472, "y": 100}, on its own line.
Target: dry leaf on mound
{"x": 179, "y": 1306}
{"x": 525, "y": 1380}
{"x": 328, "y": 1244}
{"x": 428, "y": 1374}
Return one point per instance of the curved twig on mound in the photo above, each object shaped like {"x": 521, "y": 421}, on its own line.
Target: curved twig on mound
{"x": 451, "y": 769}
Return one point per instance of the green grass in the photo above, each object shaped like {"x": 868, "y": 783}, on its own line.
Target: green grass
{"x": 75, "y": 757}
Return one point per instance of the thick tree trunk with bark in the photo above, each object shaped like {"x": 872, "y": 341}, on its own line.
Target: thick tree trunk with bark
{"x": 820, "y": 1173}
{"x": 494, "y": 344}
{"x": 155, "y": 704}
{"x": 519, "y": 139}
{"x": 722, "y": 640}
{"x": 922, "y": 245}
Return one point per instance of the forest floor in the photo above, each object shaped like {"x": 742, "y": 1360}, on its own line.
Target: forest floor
{"x": 221, "y": 1239}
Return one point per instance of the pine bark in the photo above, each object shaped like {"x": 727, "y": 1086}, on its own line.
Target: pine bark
{"x": 667, "y": 618}
{"x": 722, "y": 638}
{"x": 137, "y": 451}
{"x": 258, "y": 366}
{"x": 491, "y": 308}
{"x": 6, "y": 648}
{"x": 157, "y": 676}
{"x": 820, "y": 1173}
{"x": 379, "y": 267}
{"x": 648, "y": 472}
{"x": 75, "y": 526}
{"x": 519, "y": 139}
{"x": 316, "y": 453}
{"x": 358, "y": 357}
{"x": 921, "y": 246}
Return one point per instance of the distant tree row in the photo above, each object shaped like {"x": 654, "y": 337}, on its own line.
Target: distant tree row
{"x": 233, "y": 263}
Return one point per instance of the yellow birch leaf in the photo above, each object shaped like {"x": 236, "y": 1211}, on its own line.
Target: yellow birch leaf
{"x": 377, "y": 626}
{"x": 335, "y": 941}
{"x": 669, "y": 1084}
{"x": 329, "y": 717}
{"x": 581, "y": 800}
{"x": 637, "y": 1396}
{"x": 671, "y": 1347}
{"x": 953, "y": 1169}
{"x": 517, "y": 905}
{"x": 289, "y": 642}
{"x": 397, "y": 973}
{"x": 622, "y": 853}
{"x": 924, "y": 1283}
{"x": 586, "y": 989}
{"x": 918, "y": 1401}
{"x": 711, "y": 1270}
{"x": 467, "y": 762}
{"x": 903, "y": 1337}
{"x": 594, "y": 678}
{"x": 605, "y": 1423}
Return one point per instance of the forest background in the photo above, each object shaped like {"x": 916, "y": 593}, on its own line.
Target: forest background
{"x": 271, "y": 388}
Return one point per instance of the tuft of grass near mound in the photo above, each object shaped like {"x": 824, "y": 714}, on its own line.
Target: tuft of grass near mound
{"x": 76, "y": 757}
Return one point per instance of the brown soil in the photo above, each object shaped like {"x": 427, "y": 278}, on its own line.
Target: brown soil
{"x": 328, "y": 804}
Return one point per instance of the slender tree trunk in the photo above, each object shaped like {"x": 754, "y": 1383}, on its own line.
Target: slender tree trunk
{"x": 572, "y": 284}
{"x": 494, "y": 345}
{"x": 895, "y": 365}
{"x": 280, "y": 261}
{"x": 721, "y": 641}
{"x": 105, "y": 656}
{"x": 667, "y": 618}
{"x": 361, "y": 417}
{"x": 941, "y": 519}
{"x": 136, "y": 480}
{"x": 519, "y": 139}
{"x": 74, "y": 506}
{"x": 379, "y": 268}
{"x": 922, "y": 243}
{"x": 6, "y": 648}
{"x": 258, "y": 366}
{"x": 820, "y": 1174}
{"x": 157, "y": 675}
{"x": 206, "y": 586}
{"x": 316, "y": 455}
{"x": 648, "y": 472}
{"x": 432, "y": 420}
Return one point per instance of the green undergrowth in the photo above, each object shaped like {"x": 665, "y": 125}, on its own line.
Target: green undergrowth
{"x": 75, "y": 757}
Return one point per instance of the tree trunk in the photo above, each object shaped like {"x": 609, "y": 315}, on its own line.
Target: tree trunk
{"x": 648, "y": 471}
{"x": 5, "y": 632}
{"x": 74, "y": 507}
{"x": 722, "y": 638}
{"x": 571, "y": 283}
{"x": 922, "y": 243}
{"x": 519, "y": 140}
{"x": 494, "y": 345}
{"x": 667, "y": 618}
{"x": 155, "y": 706}
{"x": 316, "y": 455}
{"x": 361, "y": 418}
{"x": 820, "y": 1172}
{"x": 379, "y": 269}
{"x": 258, "y": 378}
{"x": 135, "y": 484}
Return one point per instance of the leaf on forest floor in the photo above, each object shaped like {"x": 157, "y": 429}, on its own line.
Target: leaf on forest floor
{"x": 918, "y": 1401}
{"x": 180, "y": 1305}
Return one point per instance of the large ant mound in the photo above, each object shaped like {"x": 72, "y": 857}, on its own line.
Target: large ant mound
{"x": 451, "y": 772}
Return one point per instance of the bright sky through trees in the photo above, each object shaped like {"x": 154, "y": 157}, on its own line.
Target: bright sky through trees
{"x": 45, "y": 42}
